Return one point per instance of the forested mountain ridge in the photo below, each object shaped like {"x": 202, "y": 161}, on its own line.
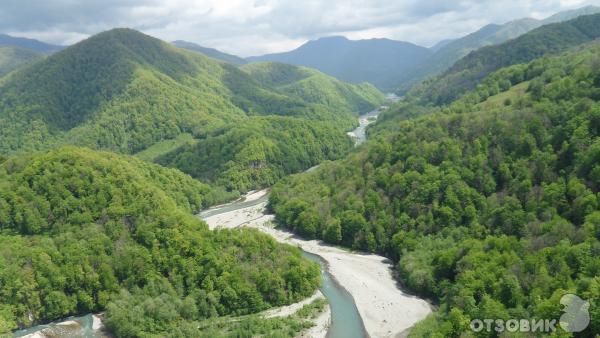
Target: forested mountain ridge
{"x": 314, "y": 87}
{"x": 84, "y": 231}
{"x": 242, "y": 157}
{"x": 489, "y": 205}
{"x": 211, "y": 52}
{"x": 12, "y": 58}
{"x": 468, "y": 71}
{"x": 377, "y": 61}
{"x": 492, "y": 34}
{"x": 126, "y": 92}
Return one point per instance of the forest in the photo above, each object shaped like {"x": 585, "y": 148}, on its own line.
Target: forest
{"x": 467, "y": 72}
{"x": 126, "y": 92}
{"x": 259, "y": 152}
{"x": 489, "y": 205}
{"x": 84, "y": 231}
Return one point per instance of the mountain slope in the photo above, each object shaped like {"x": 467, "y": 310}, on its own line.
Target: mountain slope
{"x": 377, "y": 61}
{"x": 85, "y": 231}
{"x": 211, "y": 52}
{"x": 493, "y": 34}
{"x": 42, "y": 47}
{"x": 466, "y": 73}
{"x": 313, "y": 86}
{"x": 490, "y": 206}
{"x": 12, "y": 58}
{"x": 124, "y": 91}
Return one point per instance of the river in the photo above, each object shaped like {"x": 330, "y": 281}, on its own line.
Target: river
{"x": 346, "y": 321}
{"x": 358, "y": 287}
{"x": 363, "y": 295}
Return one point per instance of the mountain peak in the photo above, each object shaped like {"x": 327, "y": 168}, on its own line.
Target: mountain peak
{"x": 378, "y": 61}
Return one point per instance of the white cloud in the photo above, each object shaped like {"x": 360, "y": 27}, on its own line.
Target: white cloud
{"x": 249, "y": 27}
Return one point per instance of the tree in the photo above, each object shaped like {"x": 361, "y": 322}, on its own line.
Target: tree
{"x": 333, "y": 231}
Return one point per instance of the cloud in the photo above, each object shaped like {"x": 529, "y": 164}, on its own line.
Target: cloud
{"x": 249, "y": 27}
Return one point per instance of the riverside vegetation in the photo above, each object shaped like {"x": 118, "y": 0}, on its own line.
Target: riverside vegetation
{"x": 489, "y": 205}
{"x": 84, "y": 231}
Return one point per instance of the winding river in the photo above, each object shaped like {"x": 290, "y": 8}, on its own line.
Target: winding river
{"x": 346, "y": 319}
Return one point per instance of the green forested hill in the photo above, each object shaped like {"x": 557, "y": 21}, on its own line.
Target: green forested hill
{"x": 468, "y": 71}
{"x": 124, "y": 91}
{"x": 12, "y": 58}
{"x": 84, "y": 231}
{"x": 258, "y": 152}
{"x": 491, "y": 205}
{"x": 312, "y": 86}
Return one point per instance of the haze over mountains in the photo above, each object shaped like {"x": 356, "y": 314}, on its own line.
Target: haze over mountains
{"x": 378, "y": 61}
{"x": 388, "y": 64}
{"x": 491, "y": 34}
{"x": 38, "y": 46}
{"x": 391, "y": 64}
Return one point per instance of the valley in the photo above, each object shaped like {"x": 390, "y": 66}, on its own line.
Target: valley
{"x": 359, "y": 287}
{"x": 166, "y": 189}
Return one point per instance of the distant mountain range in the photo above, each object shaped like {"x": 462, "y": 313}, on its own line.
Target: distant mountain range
{"x": 492, "y": 34}
{"x": 378, "y": 61}
{"x": 41, "y": 47}
{"x": 390, "y": 64}
{"x": 211, "y": 52}
{"x": 467, "y": 72}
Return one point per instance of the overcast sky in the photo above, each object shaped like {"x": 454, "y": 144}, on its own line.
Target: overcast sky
{"x": 252, "y": 27}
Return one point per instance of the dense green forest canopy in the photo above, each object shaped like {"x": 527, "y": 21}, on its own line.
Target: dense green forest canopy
{"x": 84, "y": 231}
{"x": 490, "y": 205}
{"x": 467, "y": 72}
{"x": 126, "y": 92}
{"x": 314, "y": 87}
{"x": 259, "y": 152}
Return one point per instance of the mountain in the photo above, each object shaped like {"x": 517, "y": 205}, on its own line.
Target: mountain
{"x": 42, "y": 47}
{"x": 492, "y": 34}
{"x": 466, "y": 73}
{"x": 211, "y": 52}
{"x": 571, "y": 14}
{"x": 12, "y": 58}
{"x": 489, "y": 205}
{"x": 127, "y": 92}
{"x": 312, "y": 86}
{"x": 261, "y": 150}
{"x": 377, "y": 61}
{"x": 440, "y": 45}
{"x": 85, "y": 231}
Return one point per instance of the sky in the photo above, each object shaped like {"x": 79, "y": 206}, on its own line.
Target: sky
{"x": 255, "y": 27}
